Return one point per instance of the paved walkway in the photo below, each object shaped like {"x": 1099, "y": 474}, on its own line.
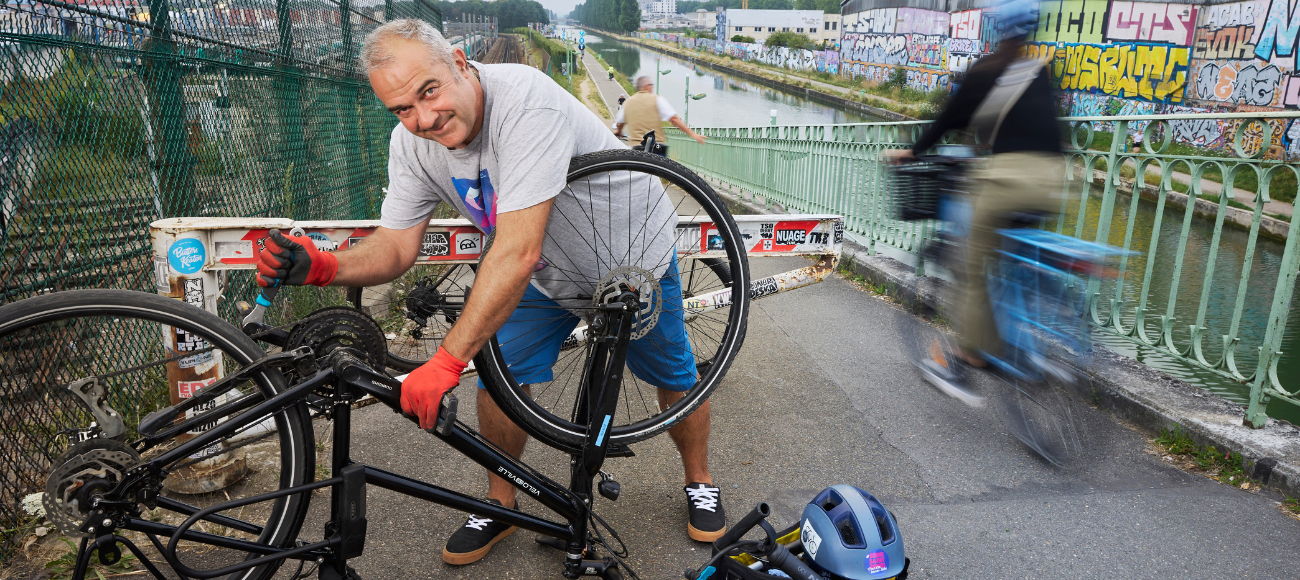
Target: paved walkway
{"x": 609, "y": 90}
{"x": 821, "y": 394}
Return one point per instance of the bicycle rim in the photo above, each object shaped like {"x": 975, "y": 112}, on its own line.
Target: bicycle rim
{"x": 51, "y": 340}
{"x": 548, "y": 409}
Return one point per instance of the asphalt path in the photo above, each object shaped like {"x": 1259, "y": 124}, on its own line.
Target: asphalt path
{"x": 822, "y": 394}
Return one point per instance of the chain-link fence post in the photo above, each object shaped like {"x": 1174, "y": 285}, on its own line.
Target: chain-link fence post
{"x": 288, "y": 89}
{"x": 174, "y": 165}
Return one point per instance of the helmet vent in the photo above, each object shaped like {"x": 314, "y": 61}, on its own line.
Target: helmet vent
{"x": 882, "y": 522}
{"x": 830, "y": 501}
{"x": 849, "y": 532}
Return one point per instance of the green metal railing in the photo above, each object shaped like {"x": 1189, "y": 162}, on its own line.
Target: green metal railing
{"x": 118, "y": 113}
{"x": 1195, "y": 289}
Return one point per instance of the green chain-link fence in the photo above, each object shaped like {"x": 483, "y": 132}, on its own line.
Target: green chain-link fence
{"x": 115, "y": 113}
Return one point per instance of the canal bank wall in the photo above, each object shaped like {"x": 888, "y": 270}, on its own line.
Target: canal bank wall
{"x": 1134, "y": 393}
{"x": 1235, "y": 217}
{"x": 811, "y": 94}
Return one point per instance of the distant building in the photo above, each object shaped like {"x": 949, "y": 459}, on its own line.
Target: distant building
{"x": 664, "y": 7}
{"x": 760, "y": 24}
{"x": 705, "y": 19}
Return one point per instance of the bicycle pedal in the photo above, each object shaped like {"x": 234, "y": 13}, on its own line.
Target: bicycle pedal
{"x": 556, "y": 543}
{"x": 619, "y": 450}
{"x": 329, "y": 572}
{"x": 609, "y": 489}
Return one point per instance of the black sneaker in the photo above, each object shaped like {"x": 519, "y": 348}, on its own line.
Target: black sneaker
{"x": 473, "y": 541}
{"x": 705, "y": 521}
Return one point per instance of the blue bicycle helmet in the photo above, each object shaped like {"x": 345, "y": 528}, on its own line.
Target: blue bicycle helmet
{"x": 849, "y": 535}
{"x": 1016, "y": 18}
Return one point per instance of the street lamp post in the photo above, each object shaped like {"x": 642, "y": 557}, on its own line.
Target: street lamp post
{"x": 689, "y": 98}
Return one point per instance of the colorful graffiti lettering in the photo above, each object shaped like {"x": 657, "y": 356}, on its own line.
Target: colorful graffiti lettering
{"x": 1071, "y": 21}
{"x": 1134, "y": 71}
{"x": 1281, "y": 25}
{"x": 1249, "y": 85}
{"x": 1232, "y": 43}
{"x": 925, "y": 49}
{"x": 1173, "y": 23}
{"x": 965, "y": 25}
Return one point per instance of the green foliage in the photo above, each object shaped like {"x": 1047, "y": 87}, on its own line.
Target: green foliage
{"x": 63, "y": 566}
{"x": 1223, "y": 466}
{"x": 511, "y": 13}
{"x": 897, "y": 78}
{"x": 615, "y": 15}
{"x": 739, "y": 38}
{"x": 789, "y": 40}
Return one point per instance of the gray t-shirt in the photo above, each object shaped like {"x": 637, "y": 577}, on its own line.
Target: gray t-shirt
{"x": 520, "y": 158}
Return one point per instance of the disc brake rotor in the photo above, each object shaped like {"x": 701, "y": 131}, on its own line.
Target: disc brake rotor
{"x": 85, "y": 471}
{"x": 628, "y": 279}
{"x": 335, "y": 327}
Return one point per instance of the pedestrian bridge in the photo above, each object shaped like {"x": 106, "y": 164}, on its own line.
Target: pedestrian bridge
{"x": 1210, "y": 284}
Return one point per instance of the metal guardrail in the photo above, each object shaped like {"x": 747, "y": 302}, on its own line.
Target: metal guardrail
{"x": 1161, "y": 299}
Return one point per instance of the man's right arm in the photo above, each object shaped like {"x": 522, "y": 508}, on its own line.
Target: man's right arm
{"x": 381, "y": 258}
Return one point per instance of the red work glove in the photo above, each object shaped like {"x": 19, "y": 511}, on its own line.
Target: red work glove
{"x": 294, "y": 261}
{"x": 423, "y": 389}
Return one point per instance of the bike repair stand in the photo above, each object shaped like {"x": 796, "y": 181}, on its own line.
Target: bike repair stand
{"x": 611, "y": 331}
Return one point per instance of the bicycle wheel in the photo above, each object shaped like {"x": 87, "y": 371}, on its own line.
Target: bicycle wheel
{"x": 124, "y": 339}
{"x": 709, "y": 265}
{"x": 416, "y": 310}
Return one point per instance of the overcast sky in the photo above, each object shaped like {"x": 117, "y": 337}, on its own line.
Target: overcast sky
{"x": 561, "y": 7}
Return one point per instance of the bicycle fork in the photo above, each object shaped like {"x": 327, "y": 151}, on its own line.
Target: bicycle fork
{"x": 597, "y": 402}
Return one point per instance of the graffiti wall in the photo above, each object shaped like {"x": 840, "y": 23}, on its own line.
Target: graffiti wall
{"x": 1110, "y": 57}
{"x": 796, "y": 59}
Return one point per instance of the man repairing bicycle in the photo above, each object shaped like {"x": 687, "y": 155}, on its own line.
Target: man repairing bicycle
{"x": 494, "y": 141}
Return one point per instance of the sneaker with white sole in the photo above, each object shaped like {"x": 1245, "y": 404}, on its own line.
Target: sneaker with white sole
{"x": 472, "y": 541}
{"x": 705, "y": 519}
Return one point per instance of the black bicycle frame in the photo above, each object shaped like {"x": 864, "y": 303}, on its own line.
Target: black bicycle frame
{"x": 345, "y": 533}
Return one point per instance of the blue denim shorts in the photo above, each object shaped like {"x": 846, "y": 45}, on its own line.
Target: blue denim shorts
{"x": 531, "y": 339}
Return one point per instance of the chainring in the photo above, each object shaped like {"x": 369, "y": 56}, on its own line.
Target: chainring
{"x": 86, "y": 470}
{"x": 335, "y": 327}
{"x": 632, "y": 278}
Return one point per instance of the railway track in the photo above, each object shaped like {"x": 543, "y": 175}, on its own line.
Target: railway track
{"x": 505, "y": 49}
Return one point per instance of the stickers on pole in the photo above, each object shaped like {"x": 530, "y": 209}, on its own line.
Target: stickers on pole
{"x": 802, "y": 236}
{"x": 187, "y": 255}
{"x": 162, "y": 280}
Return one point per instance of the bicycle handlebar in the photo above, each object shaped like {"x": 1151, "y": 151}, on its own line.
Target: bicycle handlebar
{"x": 776, "y": 554}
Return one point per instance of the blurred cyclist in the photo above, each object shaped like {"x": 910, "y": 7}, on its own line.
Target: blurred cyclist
{"x": 1007, "y": 100}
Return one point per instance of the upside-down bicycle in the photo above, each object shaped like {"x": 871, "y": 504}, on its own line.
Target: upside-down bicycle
{"x": 104, "y": 361}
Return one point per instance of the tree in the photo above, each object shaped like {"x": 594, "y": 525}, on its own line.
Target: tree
{"x": 629, "y": 17}
{"x": 787, "y": 39}
{"x": 739, "y": 38}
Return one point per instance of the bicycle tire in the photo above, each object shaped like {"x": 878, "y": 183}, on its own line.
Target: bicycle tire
{"x": 565, "y": 433}
{"x": 81, "y": 314}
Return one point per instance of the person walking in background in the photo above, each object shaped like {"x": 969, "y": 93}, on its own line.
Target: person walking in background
{"x": 611, "y": 73}
{"x": 645, "y": 112}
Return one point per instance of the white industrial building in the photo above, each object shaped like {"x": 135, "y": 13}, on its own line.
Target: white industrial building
{"x": 759, "y": 24}
{"x": 704, "y": 19}
{"x": 664, "y": 7}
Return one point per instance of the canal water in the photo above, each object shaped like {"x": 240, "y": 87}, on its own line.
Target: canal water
{"x": 728, "y": 101}
{"x": 733, "y": 102}
{"x": 1225, "y": 281}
